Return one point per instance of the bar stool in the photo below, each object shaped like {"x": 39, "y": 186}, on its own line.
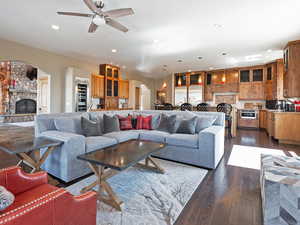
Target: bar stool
{"x": 227, "y": 109}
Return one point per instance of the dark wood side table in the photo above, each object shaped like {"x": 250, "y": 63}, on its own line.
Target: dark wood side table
{"x": 20, "y": 141}
{"x": 107, "y": 162}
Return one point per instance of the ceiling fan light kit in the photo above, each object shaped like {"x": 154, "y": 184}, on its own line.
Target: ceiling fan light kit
{"x": 100, "y": 17}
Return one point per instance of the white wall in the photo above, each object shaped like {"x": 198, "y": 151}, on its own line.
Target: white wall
{"x": 56, "y": 65}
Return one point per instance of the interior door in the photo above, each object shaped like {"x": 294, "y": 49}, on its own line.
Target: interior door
{"x": 137, "y": 98}
{"x": 43, "y": 95}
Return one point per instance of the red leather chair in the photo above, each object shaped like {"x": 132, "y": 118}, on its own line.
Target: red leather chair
{"x": 39, "y": 203}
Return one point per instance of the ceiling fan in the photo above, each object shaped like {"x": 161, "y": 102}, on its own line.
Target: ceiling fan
{"x": 100, "y": 17}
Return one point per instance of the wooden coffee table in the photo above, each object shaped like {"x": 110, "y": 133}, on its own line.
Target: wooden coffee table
{"x": 107, "y": 162}
{"x": 20, "y": 141}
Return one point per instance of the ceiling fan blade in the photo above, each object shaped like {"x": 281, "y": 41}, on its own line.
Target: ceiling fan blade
{"x": 93, "y": 27}
{"x": 91, "y": 5}
{"x": 116, "y": 25}
{"x": 115, "y": 13}
{"x": 75, "y": 14}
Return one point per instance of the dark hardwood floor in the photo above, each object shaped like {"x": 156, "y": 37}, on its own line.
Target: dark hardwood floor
{"x": 228, "y": 195}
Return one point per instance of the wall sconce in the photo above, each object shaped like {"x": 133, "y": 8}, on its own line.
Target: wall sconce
{"x": 223, "y": 80}
{"x": 164, "y": 85}
{"x": 200, "y": 80}
{"x": 179, "y": 81}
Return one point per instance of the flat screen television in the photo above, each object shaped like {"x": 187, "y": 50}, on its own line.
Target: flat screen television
{"x": 31, "y": 73}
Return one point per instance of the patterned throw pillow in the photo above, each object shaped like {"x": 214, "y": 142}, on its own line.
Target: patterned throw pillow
{"x": 125, "y": 123}
{"x": 6, "y": 198}
{"x": 144, "y": 123}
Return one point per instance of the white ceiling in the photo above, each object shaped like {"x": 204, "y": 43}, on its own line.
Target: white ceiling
{"x": 183, "y": 30}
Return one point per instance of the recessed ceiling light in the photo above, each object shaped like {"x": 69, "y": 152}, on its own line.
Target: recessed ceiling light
{"x": 224, "y": 53}
{"x": 155, "y": 41}
{"x": 55, "y": 27}
{"x": 200, "y": 57}
{"x": 165, "y": 66}
{"x": 211, "y": 68}
{"x": 124, "y": 67}
{"x": 111, "y": 63}
{"x": 189, "y": 71}
{"x": 269, "y": 50}
{"x": 114, "y": 50}
{"x": 179, "y": 60}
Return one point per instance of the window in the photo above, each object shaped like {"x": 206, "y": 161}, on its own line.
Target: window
{"x": 195, "y": 79}
{"x": 258, "y": 75}
{"x": 269, "y": 73}
{"x": 180, "y": 95}
{"x": 208, "y": 79}
{"x": 195, "y": 94}
{"x": 245, "y": 76}
{"x": 180, "y": 80}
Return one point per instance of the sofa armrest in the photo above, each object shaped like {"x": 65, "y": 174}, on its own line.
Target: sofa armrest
{"x": 211, "y": 145}
{"x": 82, "y": 209}
{"x": 16, "y": 181}
{"x": 61, "y": 136}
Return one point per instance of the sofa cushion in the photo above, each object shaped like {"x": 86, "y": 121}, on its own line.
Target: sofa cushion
{"x": 95, "y": 143}
{"x": 111, "y": 123}
{"x": 203, "y": 121}
{"x": 122, "y": 136}
{"x": 184, "y": 140}
{"x": 69, "y": 124}
{"x": 187, "y": 126}
{"x": 6, "y": 198}
{"x": 167, "y": 123}
{"x": 153, "y": 135}
{"x": 90, "y": 128}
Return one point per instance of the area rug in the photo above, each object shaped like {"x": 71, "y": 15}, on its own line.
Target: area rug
{"x": 249, "y": 156}
{"x": 149, "y": 198}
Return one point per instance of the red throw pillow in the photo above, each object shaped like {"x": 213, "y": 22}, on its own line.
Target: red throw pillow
{"x": 144, "y": 123}
{"x": 125, "y": 123}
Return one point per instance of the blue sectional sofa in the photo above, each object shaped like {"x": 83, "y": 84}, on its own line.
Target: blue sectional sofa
{"x": 204, "y": 149}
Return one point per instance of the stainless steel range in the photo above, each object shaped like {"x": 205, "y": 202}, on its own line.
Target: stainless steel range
{"x": 248, "y": 114}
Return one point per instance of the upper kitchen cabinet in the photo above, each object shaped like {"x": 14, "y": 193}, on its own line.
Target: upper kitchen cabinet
{"x": 291, "y": 57}
{"x": 97, "y": 86}
{"x": 111, "y": 76}
{"x": 208, "y": 94}
{"x": 252, "y": 83}
{"x": 225, "y": 81}
{"x": 124, "y": 89}
{"x": 274, "y": 80}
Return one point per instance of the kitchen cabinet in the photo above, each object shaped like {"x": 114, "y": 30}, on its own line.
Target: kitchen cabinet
{"x": 111, "y": 76}
{"x": 124, "y": 89}
{"x": 287, "y": 127}
{"x": 97, "y": 86}
{"x": 292, "y": 70}
{"x": 274, "y": 80}
{"x": 252, "y": 84}
{"x": 248, "y": 122}
{"x": 263, "y": 119}
{"x": 270, "y": 123}
{"x": 225, "y": 81}
{"x": 208, "y": 92}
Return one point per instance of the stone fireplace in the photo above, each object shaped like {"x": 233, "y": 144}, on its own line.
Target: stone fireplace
{"x": 22, "y": 95}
